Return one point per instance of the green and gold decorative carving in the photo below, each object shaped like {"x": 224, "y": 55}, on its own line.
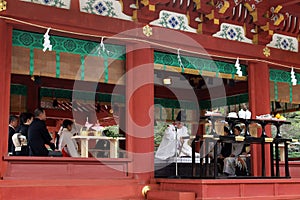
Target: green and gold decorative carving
{"x": 68, "y": 45}
{"x": 198, "y": 64}
{"x": 282, "y": 76}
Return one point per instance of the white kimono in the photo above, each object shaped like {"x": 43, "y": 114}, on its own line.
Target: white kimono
{"x": 168, "y": 145}
{"x": 69, "y": 144}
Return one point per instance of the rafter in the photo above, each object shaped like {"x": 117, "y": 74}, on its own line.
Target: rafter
{"x": 288, "y": 3}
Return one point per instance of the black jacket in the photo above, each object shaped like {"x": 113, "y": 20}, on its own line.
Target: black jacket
{"x": 38, "y": 136}
{"x": 226, "y": 149}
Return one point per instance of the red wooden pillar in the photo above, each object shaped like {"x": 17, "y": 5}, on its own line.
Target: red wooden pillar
{"x": 140, "y": 110}
{"x": 5, "y": 68}
{"x": 259, "y": 102}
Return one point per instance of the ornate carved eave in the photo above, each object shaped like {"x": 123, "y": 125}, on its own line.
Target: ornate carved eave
{"x": 259, "y": 18}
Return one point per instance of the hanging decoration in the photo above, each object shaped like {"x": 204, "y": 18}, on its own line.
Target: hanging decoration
{"x": 238, "y": 67}
{"x": 102, "y": 44}
{"x": 179, "y": 59}
{"x": 293, "y": 77}
{"x": 47, "y": 44}
{"x": 101, "y": 48}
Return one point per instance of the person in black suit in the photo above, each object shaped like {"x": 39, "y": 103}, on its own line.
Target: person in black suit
{"x": 13, "y": 124}
{"x": 39, "y": 137}
{"x": 26, "y": 119}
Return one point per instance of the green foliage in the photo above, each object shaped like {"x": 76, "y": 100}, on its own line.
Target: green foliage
{"x": 159, "y": 131}
{"x": 113, "y": 131}
{"x": 291, "y": 131}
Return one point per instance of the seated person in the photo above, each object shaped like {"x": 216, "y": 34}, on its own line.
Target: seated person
{"x": 224, "y": 152}
{"x": 21, "y": 135}
{"x": 66, "y": 143}
{"x": 169, "y": 146}
{"x": 235, "y": 160}
{"x": 40, "y": 141}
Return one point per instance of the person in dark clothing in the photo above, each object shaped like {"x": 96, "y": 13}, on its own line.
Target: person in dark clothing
{"x": 21, "y": 149}
{"x": 39, "y": 137}
{"x": 13, "y": 124}
{"x": 225, "y": 151}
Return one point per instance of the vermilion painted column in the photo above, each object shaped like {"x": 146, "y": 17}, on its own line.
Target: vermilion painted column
{"x": 259, "y": 102}
{"x": 5, "y": 68}
{"x": 140, "y": 110}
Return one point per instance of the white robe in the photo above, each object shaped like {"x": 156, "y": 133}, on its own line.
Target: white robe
{"x": 245, "y": 114}
{"x": 66, "y": 139}
{"x": 168, "y": 145}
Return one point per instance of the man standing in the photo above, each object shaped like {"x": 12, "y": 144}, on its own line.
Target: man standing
{"x": 13, "y": 123}
{"x": 169, "y": 145}
{"x": 39, "y": 137}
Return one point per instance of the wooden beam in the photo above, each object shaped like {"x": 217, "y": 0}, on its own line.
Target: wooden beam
{"x": 287, "y": 3}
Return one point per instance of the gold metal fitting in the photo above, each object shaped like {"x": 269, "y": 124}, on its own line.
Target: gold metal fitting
{"x": 269, "y": 140}
{"x": 239, "y": 138}
{"x": 267, "y": 52}
{"x": 145, "y": 189}
{"x": 147, "y": 30}
{"x": 2, "y": 5}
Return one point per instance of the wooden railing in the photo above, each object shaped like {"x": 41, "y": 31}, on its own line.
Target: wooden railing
{"x": 205, "y": 166}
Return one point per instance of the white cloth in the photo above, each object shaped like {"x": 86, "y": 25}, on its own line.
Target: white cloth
{"x": 168, "y": 144}
{"x": 65, "y": 139}
{"x": 244, "y": 114}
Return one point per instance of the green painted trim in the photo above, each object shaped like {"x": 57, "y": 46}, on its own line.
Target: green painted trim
{"x": 200, "y": 64}
{"x": 105, "y": 69}
{"x": 82, "y": 67}
{"x": 57, "y": 71}
{"x": 66, "y": 44}
{"x": 31, "y": 61}
{"x": 18, "y": 89}
{"x": 282, "y": 76}
{"x": 275, "y": 91}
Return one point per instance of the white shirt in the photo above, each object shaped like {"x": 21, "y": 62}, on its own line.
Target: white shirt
{"x": 66, "y": 139}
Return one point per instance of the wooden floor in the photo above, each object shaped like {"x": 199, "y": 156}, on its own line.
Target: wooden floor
{"x": 101, "y": 187}
{"x": 228, "y": 189}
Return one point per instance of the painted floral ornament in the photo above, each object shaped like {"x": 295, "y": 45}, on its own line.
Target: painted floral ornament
{"x": 267, "y": 51}
{"x": 147, "y": 30}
